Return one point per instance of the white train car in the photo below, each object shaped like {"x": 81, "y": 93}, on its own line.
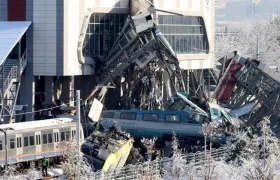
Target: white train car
{"x": 28, "y": 141}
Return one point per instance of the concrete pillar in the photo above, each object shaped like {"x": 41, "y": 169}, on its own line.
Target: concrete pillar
{"x": 65, "y": 93}
{"x": 27, "y": 90}
{"x": 48, "y": 89}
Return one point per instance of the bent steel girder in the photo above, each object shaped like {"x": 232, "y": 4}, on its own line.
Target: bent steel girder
{"x": 139, "y": 51}
{"x": 142, "y": 47}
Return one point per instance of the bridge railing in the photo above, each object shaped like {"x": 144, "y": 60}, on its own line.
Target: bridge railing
{"x": 151, "y": 169}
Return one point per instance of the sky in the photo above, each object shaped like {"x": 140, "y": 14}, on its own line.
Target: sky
{"x": 242, "y": 9}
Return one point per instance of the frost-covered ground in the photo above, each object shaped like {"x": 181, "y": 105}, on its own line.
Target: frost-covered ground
{"x": 34, "y": 174}
{"x": 249, "y": 155}
{"x": 219, "y": 171}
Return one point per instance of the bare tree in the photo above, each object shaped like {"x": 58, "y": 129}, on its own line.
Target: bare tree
{"x": 149, "y": 145}
{"x": 74, "y": 165}
{"x": 245, "y": 39}
{"x": 210, "y": 131}
{"x": 262, "y": 163}
{"x": 14, "y": 173}
{"x": 178, "y": 165}
{"x": 33, "y": 173}
{"x": 150, "y": 170}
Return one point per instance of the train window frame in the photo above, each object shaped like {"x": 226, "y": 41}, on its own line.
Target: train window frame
{"x": 215, "y": 111}
{"x": 45, "y": 139}
{"x": 12, "y": 143}
{"x": 50, "y": 138}
{"x": 62, "y": 137}
{"x": 56, "y": 137}
{"x": 1, "y": 145}
{"x": 110, "y": 114}
{"x": 38, "y": 139}
{"x": 31, "y": 141}
{"x": 144, "y": 119}
{"x": 19, "y": 143}
{"x": 73, "y": 133}
{"x": 177, "y": 121}
{"x": 25, "y": 143}
{"x": 131, "y": 113}
{"x": 67, "y": 135}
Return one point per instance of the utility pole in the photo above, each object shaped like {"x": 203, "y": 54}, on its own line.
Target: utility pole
{"x": 78, "y": 114}
{"x": 209, "y": 94}
{"x": 258, "y": 49}
{"x": 188, "y": 81}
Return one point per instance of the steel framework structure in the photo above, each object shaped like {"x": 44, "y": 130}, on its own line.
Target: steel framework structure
{"x": 255, "y": 83}
{"x": 140, "y": 62}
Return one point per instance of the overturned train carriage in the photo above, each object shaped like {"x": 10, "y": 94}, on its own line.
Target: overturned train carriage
{"x": 106, "y": 151}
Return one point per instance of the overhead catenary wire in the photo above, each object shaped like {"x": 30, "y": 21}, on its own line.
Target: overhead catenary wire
{"x": 41, "y": 110}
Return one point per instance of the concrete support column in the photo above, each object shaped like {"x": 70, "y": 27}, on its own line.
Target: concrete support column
{"x": 66, "y": 94}
{"x": 48, "y": 89}
{"x": 27, "y": 96}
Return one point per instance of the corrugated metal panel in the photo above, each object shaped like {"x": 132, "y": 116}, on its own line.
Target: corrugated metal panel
{"x": 10, "y": 34}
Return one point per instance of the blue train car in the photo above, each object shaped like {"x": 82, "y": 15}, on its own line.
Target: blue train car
{"x": 144, "y": 123}
{"x": 183, "y": 117}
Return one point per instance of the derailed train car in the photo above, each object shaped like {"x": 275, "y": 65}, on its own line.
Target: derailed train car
{"x": 106, "y": 151}
{"x": 183, "y": 117}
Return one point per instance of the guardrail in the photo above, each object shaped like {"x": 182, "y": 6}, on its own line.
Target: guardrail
{"x": 23, "y": 62}
{"x": 131, "y": 172}
{"x": 12, "y": 76}
{"x": 14, "y": 73}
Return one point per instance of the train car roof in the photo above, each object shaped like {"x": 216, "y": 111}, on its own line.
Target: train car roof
{"x": 37, "y": 124}
{"x": 138, "y": 111}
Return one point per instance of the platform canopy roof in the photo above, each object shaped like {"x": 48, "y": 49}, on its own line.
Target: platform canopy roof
{"x": 10, "y": 34}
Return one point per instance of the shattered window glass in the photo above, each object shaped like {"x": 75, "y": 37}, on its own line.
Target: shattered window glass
{"x": 186, "y": 35}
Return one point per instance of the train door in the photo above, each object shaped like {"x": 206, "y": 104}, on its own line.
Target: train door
{"x": 19, "y": 149}
{"x": 38, "y": 143}
{"x": 73, "y": 132}
{"x": 56, "y": 139}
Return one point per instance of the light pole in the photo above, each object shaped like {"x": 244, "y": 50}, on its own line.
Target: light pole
{"x": 78, "y": 114}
